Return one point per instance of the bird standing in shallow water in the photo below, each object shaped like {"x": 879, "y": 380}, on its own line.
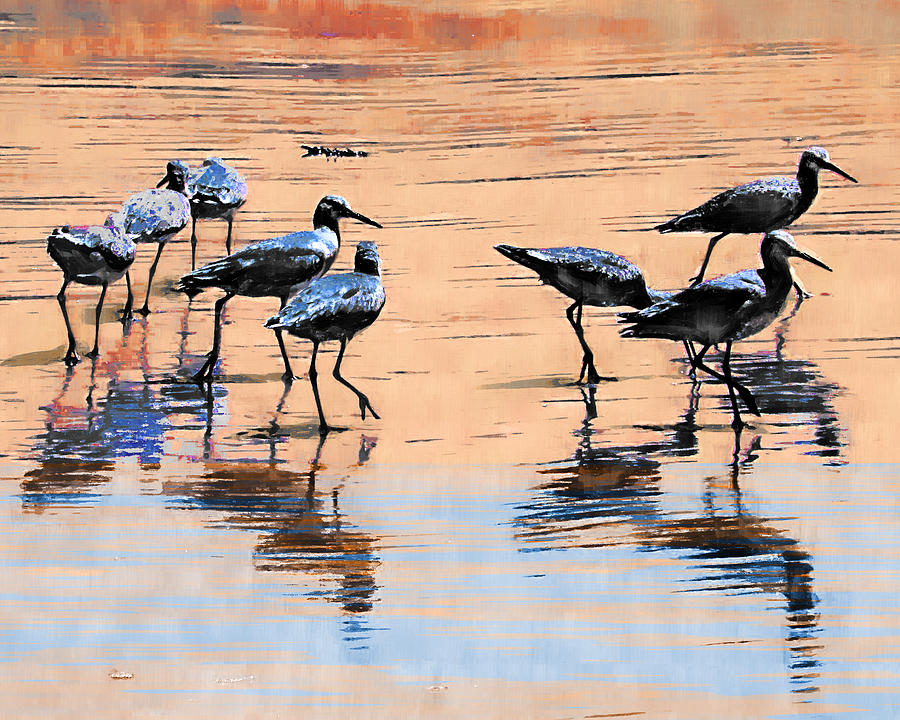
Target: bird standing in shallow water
{"x": 93, "y": 255}
{"x": 725, "y": 309}
{"x": 215, "y": 190}
{"x": 589, "y": 277}
{"x": 336, "y": 308}
{"x": 272, "y": 268}
{"x": 758, "y": 207}
{"x": 154, "y": 216}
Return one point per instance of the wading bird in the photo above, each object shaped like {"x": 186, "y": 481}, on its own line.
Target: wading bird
{"x": 93, "y": 255}
{"x": 589, "y": 277}
{"x": 725, "y": 309}
{"x": 336, "y": 308}
{"x": 154, "y": 216}
{"x": 272, "y": 268}
{"x": 758, "y": 207}
{"x": 215, "y": 190}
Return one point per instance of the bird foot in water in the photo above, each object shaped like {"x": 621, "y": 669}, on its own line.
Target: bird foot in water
{"x": 288, "y": 377}
{"x": 738, "y": 424}
{"x": 71, "y": 359}
{"x": 126, "y": 316}
{"x": 145, "y": 311}
{"x": 93, "y": 354}
{"x": 363, "y": 404}
{"x": 325, "y": 428}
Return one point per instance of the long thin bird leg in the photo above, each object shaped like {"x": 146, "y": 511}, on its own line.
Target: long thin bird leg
{"x": 726, "y": 370}
{"x": 288, "y": 375}
{"x": 313, "y": 380}
{"x": 205, "y": 373}
{"x": 712, "y": 243}
{"x": 71, "y": 357}
{"x": 587, "y": 362}
{"x": 96, "y": 351}
{"x": 691, "y": 354}
{"x": 146, "y": 309}
{"x": 129, "y": 302}
{"x": 744, "y": 393}
{"x": 363, "y": 400}
{"x": 193, "y": 241}
{"x": 228, "y": 238}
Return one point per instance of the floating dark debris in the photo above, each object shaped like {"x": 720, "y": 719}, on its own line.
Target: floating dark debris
{"x": 312, "y": 150}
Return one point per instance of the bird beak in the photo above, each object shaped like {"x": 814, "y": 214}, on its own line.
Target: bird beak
{"x": 835, "y": 169}
{"x": 809, "y": 257}
{"x": 163, "y": 181}
{"x": 363, "y": 218}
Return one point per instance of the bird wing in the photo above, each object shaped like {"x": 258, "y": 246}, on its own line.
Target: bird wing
{"x": 152, "y": 214}
{"x": 268, "y": 267}
{"x": 710, "y": 312}
{"x": 114, "y": 249}
{"x": 758, "y": 206}
{"x": 218, "y": 184}
{"x": 334, "y": 306}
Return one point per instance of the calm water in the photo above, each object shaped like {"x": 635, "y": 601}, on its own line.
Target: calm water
{"x": 502, "y": 543}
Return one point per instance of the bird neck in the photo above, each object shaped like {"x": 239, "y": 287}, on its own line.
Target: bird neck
{"x": 367, "y": 266}
{"x": 322, "y": 218}
{"x": 776, "y": 272}
{"x": 808, "y": 179}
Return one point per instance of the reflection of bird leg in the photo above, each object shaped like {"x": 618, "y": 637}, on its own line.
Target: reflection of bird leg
{"x": 691, "y": 354}
{"x": 228, "y": 239}
{"x": 587, "y": 362}
{"x": 89, "y": 400}
{"x": 736, "y": 455}
{"x": 288, "y": 375}
{"x": 363, "y": 400}
{"x": 273, "y": 426}
{"x": 207, "y": 433}
{"x": 745, "y": 394}
{"x": 698, "y": 278}
{"x": 590, "y": 405}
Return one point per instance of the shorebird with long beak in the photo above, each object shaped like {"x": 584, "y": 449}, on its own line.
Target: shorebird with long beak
{"x": 758, "y": 207}
{"x": 279, "y": 267}
{"x": 154, "y": 216}
{"x": 725, "y": 309}
{"x": 337, "y": 307}
{"x": 215, "y": 191}
{"x": 93, "y": 255}
{"x": 589, "y": 277}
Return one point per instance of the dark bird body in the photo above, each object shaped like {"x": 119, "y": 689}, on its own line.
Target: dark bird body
{"x": 154, "y": 216}
{"x": 757, "y": 207}
{"x": 725, "y": 309}
{"x": 215, "y": 191}
{"x": 590, "y": 277}
{"x": 278, "y": 267}
{"x": 93, "y": 255}
{"x": 336, "y": 308}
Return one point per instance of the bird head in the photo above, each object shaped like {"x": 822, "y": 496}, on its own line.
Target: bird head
{"x": 816, "y": 158}
{"x": 367, "y": 260}
{"x": 176, "y": 176}
{"x": 332, "y": 208}
{"x": 783, "y": 244}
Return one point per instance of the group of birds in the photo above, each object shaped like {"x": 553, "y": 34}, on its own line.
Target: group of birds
{"x": 719, "y": 311}
{"x": 289, "y": 267}
{"x": 335, "y": 308}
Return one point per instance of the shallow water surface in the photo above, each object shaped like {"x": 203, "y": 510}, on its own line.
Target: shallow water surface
{"x": 502, "y": 543}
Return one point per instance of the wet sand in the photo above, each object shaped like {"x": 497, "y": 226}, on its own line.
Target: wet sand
{"x": 501, "y": 543}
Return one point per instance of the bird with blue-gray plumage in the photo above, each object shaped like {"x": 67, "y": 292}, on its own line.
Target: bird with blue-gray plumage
{"x": 216, "y": 191}
{"x": 278, "y": 267}
{"x": 590, "y": 277}
{"x": 337, "y": 307}
{"x": 154, "y": 216}
{"x": 91, "y": 255}
{"x": 757, "y": 207}
{"x": 725, "y": 309}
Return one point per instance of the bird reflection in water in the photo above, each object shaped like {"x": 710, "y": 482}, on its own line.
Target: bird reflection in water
{"x": 301, "y": 529}
{"x": 90, "y": 426}
{"x": 611, "y": 496}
